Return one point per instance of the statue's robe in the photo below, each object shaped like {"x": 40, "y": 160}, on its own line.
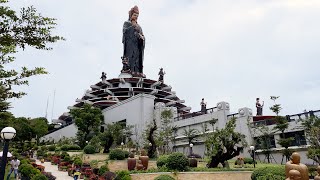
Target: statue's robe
{"x": 133, "y": 46}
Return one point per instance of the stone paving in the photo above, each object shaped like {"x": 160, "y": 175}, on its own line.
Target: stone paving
{"x": 54, "y": 170}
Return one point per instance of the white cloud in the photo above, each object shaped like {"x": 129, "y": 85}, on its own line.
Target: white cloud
{"x": 220, "y": 50}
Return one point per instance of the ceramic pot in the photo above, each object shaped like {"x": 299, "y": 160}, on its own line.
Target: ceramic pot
{"x": 144, "y": 161}
{"x": 131, "y": 163}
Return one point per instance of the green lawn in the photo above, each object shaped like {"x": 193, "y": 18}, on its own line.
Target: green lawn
{"x": 7, "y": 171}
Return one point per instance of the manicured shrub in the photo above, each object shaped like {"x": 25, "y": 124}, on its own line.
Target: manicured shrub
{"x": 52, "y": 148}
{"x": 265, "y": 172}
{"x": 39, "y": 177}
{"x": 103, "y": 169}
{"x": 88, "y": 149}
{"x": 77, "y": 161}
{"x": 177, "y": 161}
{"x": 164, "y": 177}
{"x": 116, "y": 154}
{"x": 126, "y": 154}
{"x": 248, "y": 161}
{"x": 123, "y": 175}
{"x": 74, "y": 147}
{"x": 162, "y": 160}
{"x": 27, "y": 170}
{"x": 64, "y": 147}
{"x": 64, "y": 154}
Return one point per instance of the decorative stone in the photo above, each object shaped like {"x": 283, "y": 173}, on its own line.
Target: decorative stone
{"x": 139, "y": 165}
{"x": 193, "y": 162}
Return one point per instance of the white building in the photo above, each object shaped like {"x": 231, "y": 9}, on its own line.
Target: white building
{"x": 137, "y": 100}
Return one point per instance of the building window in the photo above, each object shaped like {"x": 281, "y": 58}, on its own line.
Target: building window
{"x": 298, "y": 136}
{"x": 265, "y": 142}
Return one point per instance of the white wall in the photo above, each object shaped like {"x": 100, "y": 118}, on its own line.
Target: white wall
{"x": 137, "y": 110}
{"x": 68, "y": 132}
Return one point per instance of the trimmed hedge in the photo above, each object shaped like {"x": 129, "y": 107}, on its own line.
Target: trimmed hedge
{"x": 248, "y": 161}
{"x": 117, "y": 154}
{"x": 39, "y": 177}
{"x": 162, "y": 160}
{"x": 268, "y": 172}
{"x": 52, "y": 148}
{"x": 164, "y": 177}
{"x": 88, "y": 149}
{"x": 123, "y": 175}
{"x": 177, "y": 161}
{"x": 103, "y": 169}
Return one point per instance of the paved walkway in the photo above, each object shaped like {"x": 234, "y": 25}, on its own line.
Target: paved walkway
{"x": 54, "y": 170}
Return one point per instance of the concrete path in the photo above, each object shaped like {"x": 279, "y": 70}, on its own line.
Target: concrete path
{"x": 54, "y": 170}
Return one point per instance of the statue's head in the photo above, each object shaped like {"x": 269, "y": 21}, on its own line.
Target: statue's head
{"x": 294, "y": 174}
{"x": 134, "y": 13}
{"x": 257, "y": 99}
{"x": 295, "y": 158}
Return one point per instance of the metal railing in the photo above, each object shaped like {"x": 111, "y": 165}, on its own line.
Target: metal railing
{"x": 195, "y": 114}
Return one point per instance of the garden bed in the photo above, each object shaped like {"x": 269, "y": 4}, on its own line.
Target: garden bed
{"x": 230, "y": 175}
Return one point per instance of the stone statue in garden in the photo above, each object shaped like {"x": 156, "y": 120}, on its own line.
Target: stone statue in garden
{"x": 294, "y": 164}
{"x": 294, "y": 175}
{"x": 317, "y": 177}
{"x": 133, "y": 42}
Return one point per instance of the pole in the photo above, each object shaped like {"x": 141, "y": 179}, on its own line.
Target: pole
{"x": 254, "y": 161}
{"x": 4, "y": 159}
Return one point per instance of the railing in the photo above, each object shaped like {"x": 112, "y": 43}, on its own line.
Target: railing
{"x": 290, "y": 118}
{"x": 234, "y": 115}
{"x": 195, "y": 114}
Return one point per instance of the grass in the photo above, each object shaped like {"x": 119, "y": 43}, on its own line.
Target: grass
{"x": 6, "y": 173}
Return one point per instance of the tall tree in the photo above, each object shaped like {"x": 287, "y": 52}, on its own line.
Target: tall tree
{"x": 39, "y": 127}
{"x": 88, "y": 119}
{"x": 24, "y": 129}
{"x": 224, "y": 144}
{"x": 18, "y": 31}
{"x": 166, "y": 131}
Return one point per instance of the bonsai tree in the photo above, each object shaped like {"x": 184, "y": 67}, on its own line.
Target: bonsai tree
{"x": 224, "y": 144}
{"x": 282, "y": 124}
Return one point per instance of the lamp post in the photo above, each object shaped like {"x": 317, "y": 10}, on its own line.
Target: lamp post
{"x": 191, "y": 145}
{"x": 122, "y": 145}
{"x": 7, "y": 134}
{"x": 253, "y": 156}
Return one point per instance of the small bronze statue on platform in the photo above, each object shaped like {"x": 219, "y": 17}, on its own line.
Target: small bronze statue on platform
{"x": 203, "y": 106}
{"x": 259, "y": 107}
{"x": 103, "y": 76}
{"x": 126, "y": 66}
{"x": 295, "y": 164}
{"x": 161, "y": 75}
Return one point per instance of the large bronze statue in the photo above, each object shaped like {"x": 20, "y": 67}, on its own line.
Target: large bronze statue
{"x": 133, "y": 42}
{"x": 295, "y": 164}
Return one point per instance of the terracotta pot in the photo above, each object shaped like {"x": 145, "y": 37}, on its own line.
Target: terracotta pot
{"x": 131, "y": 163}
{"x": 193, "y": 162}
{"x": 144, "y": 161}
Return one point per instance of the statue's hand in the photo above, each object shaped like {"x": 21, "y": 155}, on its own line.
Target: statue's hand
{"x": 141, "y": 36}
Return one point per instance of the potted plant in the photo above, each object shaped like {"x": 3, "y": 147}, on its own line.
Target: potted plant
{"x": 144, "y": 159}
{"x": 131, "y": 162}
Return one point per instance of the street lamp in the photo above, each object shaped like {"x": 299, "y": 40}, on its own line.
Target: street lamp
{"x": 253, "y": 155}
{"x": 122, "y": 145}
{"x": 191, "y": 145}
{"x": 7, "y": 134}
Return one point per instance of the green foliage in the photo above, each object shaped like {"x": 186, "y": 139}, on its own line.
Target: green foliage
{"x": 166, "y": 134}
{"x": 191, "y": 134}
{"x": 95, "y": 142}
{"x": 52, "y": 148}
{"x": 103, "y": 169}
{"x": 162, "y": 160}
{"x": 74, "y": 147}
{"x": 117, "y": 154}
{"x": 123, "y": 175}
{"x": 311, "y": 126}
{"x": 39, "y": 177}
{"x": 18, "y": 31}
{"x": 64, "y": 147}
{"x": 77, "y": 161}
{"x": 248, "y": 160}
{"x": 177, "y": 161}
{"x": 87, "y": 119}
{"x": 266, "y": 172}
{"x": 39, "y": 126}
{"x": 164, "y": 177}
{"x": 224, "y": 144}
{"x": 28, "y": 170}
{"x": 88, "y": 149}
{"x": 94, "y": 163}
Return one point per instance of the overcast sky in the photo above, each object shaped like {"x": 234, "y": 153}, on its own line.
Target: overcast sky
{"x": 227, "y": 50}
